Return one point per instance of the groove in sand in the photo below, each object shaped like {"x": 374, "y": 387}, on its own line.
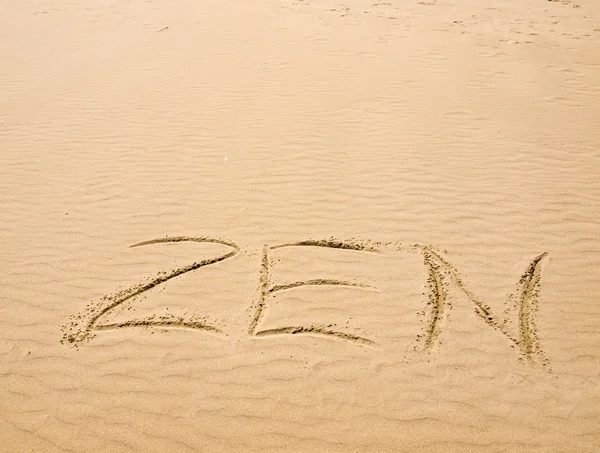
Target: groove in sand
{"x": 316, "y": 330}
{"x": 530, "y": 286}
{"x": 329, "y": 243}
{"x": 145, "y": 323}
{"x": 264, "y": 284}
{"x": 437, "y": 300}
{"x": 318, "y": 282}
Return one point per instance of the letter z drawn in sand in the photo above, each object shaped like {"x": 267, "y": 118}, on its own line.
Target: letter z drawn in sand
{"x": 267, "y": 289}
{"x": 83, "y": 326}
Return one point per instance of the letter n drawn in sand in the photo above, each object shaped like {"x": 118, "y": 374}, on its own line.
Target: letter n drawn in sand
{"x": 521, "y": 330}
{"x": 268, "y": 289}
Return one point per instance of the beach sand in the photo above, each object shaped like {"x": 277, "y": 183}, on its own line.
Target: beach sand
{"x": 358, "y": 227}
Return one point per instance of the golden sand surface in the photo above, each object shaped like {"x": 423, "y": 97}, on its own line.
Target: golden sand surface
{"x": 300, "y": 226}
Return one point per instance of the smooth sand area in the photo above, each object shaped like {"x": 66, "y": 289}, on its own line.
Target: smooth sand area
{"x": 356, "y": 227}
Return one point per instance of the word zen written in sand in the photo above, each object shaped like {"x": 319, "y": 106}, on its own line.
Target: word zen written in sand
{"x": 440, "y": 274}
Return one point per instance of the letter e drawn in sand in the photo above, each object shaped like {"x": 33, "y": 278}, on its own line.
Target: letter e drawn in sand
{"x": 83, "y": 326}
{"x": 267, "y": 289}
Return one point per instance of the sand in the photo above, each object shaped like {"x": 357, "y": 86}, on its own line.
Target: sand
{"x": 356, "y": 227}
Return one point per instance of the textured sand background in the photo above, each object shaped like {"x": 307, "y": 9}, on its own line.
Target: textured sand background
{"x": 455, "y": 141}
